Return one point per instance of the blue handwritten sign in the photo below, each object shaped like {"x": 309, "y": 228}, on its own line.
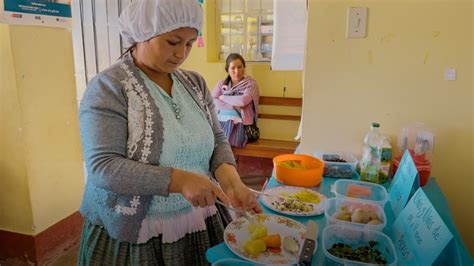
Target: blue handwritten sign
{"x": 420, "y": 234}
{"x": 405, "y": 181}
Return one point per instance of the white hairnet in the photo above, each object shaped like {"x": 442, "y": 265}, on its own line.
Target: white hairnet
{"x": 144, "y": 19}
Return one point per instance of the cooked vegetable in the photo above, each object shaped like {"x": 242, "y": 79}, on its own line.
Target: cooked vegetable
{"x": 274, "y": 250}
{"x": 357, "y": 214}
{"x": 306, "y": 196}
{"x": 255, "y": 247}
{"x": 360, "y": 216}
{"x": 374, "y": 222}
{"x": 293, "y": 164}
{"x": 292, "y": 205}
{"x": 257, "y": 231}
{"x": 273, "y": 241}
{"x": 343, "y": 215}
{"x": 366, "y": 254}
{"x": 356, "y": 191}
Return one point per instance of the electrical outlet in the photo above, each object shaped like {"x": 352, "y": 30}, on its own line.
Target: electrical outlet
{"x": 356, "y": 22}
{"x": 450, "y": 74}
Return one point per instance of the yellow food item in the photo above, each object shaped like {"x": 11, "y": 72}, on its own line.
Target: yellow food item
{"x": 255, "y": 247}
{"x": 259, "y": 232}
{"x": 273, "y": 241}
{"x": 293, "y": 164}
{"x": 306, "y": 196}
{"x": 343, "y": 215}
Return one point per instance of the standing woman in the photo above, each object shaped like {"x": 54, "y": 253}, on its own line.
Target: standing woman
{"x": 152, "y": 143}
{"x": 236, "y": 99}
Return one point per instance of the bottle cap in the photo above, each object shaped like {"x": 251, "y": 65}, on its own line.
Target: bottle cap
{"x": 377, "y": 125}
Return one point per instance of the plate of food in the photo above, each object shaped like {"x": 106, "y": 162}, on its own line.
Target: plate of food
{"x": 295, "y": 201}
{"x": 262, "y": 242}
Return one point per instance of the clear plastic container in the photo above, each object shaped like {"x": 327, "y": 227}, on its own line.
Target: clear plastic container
{"x": 334, "y": 205}
{"x": 356, "y": 237}
{"x": 419, "y": 141}
{"x": 336, "y": 169}
{"x": 361, "y": 190}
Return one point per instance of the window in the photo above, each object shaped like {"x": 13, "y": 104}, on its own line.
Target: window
{"x": 96, "y": 40}
{"x": 246, "y": 27}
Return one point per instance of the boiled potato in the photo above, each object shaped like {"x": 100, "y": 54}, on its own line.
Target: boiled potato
{"x": 257, "y": 231}
{"x": 255, "y": 247}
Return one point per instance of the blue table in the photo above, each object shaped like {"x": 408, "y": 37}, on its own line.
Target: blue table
{"x": 456, "y": 253}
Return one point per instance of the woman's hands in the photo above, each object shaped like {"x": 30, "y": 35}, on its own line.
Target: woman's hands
{"x": 197, "y": 189}
{"x": 238, "y": 193}
{"x": 242, "y": 198}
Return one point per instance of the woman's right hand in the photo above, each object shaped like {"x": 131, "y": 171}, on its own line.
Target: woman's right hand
{"x": 199, "y": 190}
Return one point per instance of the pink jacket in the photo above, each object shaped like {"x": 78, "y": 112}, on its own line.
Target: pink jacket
{"x": 243, "y": 97}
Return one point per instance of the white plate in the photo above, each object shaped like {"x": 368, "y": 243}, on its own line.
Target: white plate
{"x": 318, "y": 208}
{"x": 236, "y": 233}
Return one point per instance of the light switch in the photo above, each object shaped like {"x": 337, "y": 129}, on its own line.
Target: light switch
{"x": 356, "y": 22}
{"x": 450, "y": 74}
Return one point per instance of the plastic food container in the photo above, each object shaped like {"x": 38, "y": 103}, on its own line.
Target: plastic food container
{"x": 338, "y": 169}
{"x": 356, "y": 237}
{"x": 422, "y": 165}
{"x": 361, "y": 190}
{"x": 334, "y": 205}
{"x": 309, "y": 175}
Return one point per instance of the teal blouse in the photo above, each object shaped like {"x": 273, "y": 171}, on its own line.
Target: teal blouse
{"x": 188, "y": 142}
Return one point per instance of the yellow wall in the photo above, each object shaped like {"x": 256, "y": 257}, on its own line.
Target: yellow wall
{"x": 42, "y": 101}
{"x": 395, "y": 76}
{"x": 15, "y": 206}
{"x": 271, "y": 83}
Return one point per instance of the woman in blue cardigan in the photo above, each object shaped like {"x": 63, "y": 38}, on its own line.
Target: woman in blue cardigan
{"x": 154, "y": 149}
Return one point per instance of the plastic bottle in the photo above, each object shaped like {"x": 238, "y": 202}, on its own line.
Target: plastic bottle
{"x": 385, "y": 159}
{"x": 371, "y": 155}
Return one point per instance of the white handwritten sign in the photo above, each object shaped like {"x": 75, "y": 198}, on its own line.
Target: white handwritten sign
{"x": 420, "y": 234}
{"x": 406, "y": 179}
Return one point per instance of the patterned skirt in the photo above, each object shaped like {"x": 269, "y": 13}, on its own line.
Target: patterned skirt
{"x": 98, "y": 248}
{"x": 231, "y": 124}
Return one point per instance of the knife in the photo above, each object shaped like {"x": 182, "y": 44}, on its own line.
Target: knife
{"x": 309, "y": 244}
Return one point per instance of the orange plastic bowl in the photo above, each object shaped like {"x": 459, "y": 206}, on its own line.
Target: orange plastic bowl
{"x": 309, "y": 176}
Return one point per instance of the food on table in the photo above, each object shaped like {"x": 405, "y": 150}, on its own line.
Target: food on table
{"x": 306, "y": 196}
{"x": 333, "y": 158}
{"x": 360, "y": 216}
{"x": 366, "y": 254}
{"x": 299, "y": 202}
{"x": 357, "y": 214}
{"x": 291, "y": 204}
{"x": 375, "y": 222}
{"x": 261, "y": 241}
{"x": 293, "y": 164}
{"x": 338, "y": 171}
{"x": 255, "y": 246}
{"x": 257, "y": 230}
{"x": 273, "y": 241}
{"x": 343, "y": 215}
{"x": 337, "y": 167}
{"x": 356, "y": 191}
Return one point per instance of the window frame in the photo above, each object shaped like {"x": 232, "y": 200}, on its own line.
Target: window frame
{"x": 261, "y": 16}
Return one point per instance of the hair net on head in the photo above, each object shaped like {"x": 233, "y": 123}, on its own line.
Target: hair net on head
{"x": 145, "y": 19}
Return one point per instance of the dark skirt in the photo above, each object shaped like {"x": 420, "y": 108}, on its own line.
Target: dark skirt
{"x": 98, "y": 248}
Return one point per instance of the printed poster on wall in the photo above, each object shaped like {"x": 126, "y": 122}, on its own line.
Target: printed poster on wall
{"x": 51, "y": 13}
